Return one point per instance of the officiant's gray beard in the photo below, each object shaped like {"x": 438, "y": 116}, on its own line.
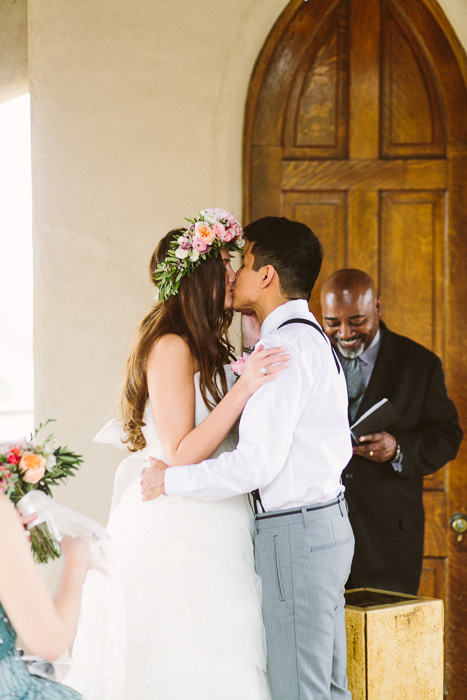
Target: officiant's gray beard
{"x": 350, "y": 354}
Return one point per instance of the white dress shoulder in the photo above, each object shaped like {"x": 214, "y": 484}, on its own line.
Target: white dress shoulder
{"x": 191, "y": 597}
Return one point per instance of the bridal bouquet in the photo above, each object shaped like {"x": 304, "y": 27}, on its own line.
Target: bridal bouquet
{"x": 36, "y": 465}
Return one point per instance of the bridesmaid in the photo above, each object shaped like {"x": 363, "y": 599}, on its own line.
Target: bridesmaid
{"x": 46, "y": 626}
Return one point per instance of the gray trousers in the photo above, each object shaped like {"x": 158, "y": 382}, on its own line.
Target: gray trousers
{"x": 304, "y": 561}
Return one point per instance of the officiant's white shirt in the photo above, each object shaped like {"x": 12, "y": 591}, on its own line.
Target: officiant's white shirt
{"x": 294, "y": 438}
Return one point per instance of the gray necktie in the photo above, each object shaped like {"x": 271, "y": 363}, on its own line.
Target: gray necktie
{"x": 355, "y": 385}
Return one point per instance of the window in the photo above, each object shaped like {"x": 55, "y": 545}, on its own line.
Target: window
{"x": 16, "y": 284}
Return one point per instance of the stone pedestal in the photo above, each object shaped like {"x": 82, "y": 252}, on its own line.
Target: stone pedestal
{"x": 394, "y": 645}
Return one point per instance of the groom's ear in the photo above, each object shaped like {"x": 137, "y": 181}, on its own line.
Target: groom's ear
{"x": 268, "y": 274}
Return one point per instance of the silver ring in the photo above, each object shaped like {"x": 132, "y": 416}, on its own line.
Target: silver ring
{"x": 264, "y": 370}
{"x": 371, "y": 453}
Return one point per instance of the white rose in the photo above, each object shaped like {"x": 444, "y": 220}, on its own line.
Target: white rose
{"x": 208, "y": 217}
{"x": 240, "y": 242}
{"x": 51, "y": 462}
{"x": 194, "y": 255}
{"x": 181, "y": 254}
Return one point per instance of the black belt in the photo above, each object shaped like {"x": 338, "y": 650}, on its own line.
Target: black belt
{"x": 280, "y": 514}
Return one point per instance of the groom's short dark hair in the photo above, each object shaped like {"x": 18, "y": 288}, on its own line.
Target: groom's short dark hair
{"x": 291, "y": 248}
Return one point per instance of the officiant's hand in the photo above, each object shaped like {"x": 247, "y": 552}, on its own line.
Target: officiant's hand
{"x": 152, "y": 479}
{"x": 378, "y": 447}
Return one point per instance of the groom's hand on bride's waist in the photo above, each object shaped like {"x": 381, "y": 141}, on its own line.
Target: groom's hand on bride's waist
{"x": 152, "y": 479}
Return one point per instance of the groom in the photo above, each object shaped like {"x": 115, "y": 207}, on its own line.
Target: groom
{"x": 294, "y": 443}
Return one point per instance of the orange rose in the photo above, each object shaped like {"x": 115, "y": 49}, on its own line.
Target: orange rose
{"x": 32, "y": 466}
{"x": 204, "y": 232}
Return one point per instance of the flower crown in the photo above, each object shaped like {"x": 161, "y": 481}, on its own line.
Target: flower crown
{"x": 207, "y": 233}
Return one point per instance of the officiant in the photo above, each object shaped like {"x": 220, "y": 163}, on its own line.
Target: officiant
{"x": 384, "y": 478}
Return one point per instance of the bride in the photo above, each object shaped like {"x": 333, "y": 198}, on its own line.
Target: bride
{"x": 191, "y": 598}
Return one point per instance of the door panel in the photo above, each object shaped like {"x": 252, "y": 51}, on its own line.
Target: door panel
{"x": 356, "y": 124}
{"x": 326, "y": 212}
{"x": 436, "y": 532}
{"x": 433, "y": 581}
{"x": 316, "y": 121}
{"x": 411, "y": 117}
{"x": 412, "y": 265}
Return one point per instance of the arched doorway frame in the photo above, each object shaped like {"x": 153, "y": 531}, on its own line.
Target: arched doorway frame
{"x": 263, "y": 168}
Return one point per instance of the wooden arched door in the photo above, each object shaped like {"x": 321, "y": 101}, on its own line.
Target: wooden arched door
{"x": 356, "y": 124}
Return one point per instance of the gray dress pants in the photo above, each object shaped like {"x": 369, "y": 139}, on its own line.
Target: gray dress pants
{"x": 304, "y": 561}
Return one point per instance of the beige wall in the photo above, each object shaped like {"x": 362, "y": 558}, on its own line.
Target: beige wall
{"x": 13, "y": 49}
{"x": 456, "y": 12}
{"x": 137, "y": 110}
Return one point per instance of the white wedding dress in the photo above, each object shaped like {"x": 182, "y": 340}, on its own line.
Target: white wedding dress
{"x": 191, "y": 597}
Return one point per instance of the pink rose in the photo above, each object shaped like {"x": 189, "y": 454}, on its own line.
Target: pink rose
{"x": 199, "y": 245}
{"x": 218, "y": 229}
{"x": 221, "y": 233}
{"x": 237, "y": 366}
{"x": 203, "y": 232}
{"x": 239, "y": 363}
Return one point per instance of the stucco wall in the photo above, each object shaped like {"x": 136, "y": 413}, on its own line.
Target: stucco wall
{"x": 456, "y": 12}
{"x": 137, "y": 117}
{"x": 137, "y": 111}
{"x": 13, "y": 49}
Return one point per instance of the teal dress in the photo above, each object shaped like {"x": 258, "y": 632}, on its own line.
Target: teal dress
{"x": 15, "y": 679}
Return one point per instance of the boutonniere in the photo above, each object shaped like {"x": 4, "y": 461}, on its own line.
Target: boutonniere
{"x": 238, "y": 365}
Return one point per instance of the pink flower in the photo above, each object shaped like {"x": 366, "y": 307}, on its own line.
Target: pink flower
{"x": 199, "y": 245}
{"x": 14, "y": 456}
{"x": 203, "y": 232}
{"x": 222, "y": 234}
{"x": 184, "y": 243}
{"x": 218, "y": 229}
{"x": 237, "y": 231}
{"x": 238, "y": 365}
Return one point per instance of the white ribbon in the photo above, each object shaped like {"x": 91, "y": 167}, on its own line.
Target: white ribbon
{"x": 61, "y": 521}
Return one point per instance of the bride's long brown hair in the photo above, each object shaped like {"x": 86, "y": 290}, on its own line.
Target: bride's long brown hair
{"x": 196, "y": 314}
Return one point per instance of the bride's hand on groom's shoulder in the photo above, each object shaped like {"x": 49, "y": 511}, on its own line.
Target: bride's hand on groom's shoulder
{"x": 261, "y": 367}
{"x": 152, "y": 479}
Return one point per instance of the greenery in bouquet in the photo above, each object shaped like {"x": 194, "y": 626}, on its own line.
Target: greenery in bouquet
{"x": 31, "y": 464}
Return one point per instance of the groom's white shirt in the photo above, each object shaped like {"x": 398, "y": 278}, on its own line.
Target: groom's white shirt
{"x": 294, "y": 438}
